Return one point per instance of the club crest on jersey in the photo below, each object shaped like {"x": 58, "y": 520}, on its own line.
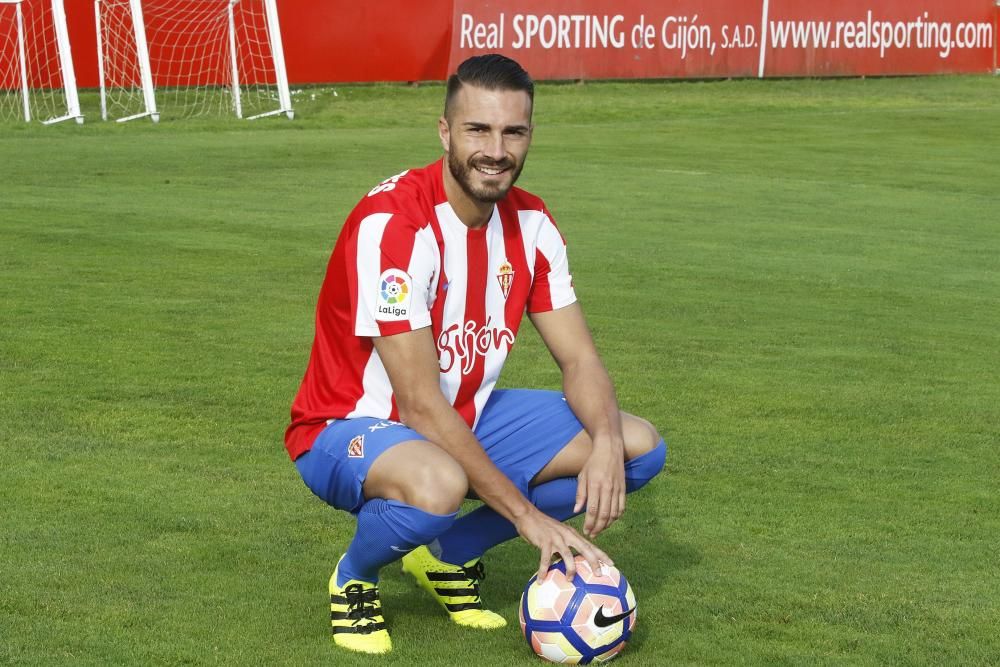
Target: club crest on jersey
{"x": 505, "y": 274}
{"x": 356, "y": 447}
{"x": 394, "y": 291}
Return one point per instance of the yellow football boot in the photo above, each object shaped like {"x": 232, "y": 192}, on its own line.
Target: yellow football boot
{"x": 456, "y": 588}
{"x": 356, "y": 616}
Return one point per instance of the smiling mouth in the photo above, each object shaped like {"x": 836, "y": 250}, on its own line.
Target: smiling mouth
{"x": 489, "y": 171}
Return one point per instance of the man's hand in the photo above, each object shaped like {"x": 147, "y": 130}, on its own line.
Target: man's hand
{"x": 601, "y": 486}
{"x": 554, "y": 537}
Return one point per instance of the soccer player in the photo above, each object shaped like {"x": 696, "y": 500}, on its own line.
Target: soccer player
{"x": 397, "y": 420}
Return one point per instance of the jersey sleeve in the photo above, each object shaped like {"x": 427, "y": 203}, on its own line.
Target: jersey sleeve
{"x": 552, "y": 287}
{"x": 396, "y": 263}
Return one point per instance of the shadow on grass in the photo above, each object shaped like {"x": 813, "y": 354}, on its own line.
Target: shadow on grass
{"x": 641, "y": 550}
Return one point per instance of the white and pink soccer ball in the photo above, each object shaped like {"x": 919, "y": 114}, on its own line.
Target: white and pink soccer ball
{"x": 576, "y": 622}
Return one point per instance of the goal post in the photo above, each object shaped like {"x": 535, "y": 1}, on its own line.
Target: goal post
{"x": 141, "y": 62}
{"x": 37, "y": 79}
{"x": 184, "y": 58}
{"x": 278, "y": 53}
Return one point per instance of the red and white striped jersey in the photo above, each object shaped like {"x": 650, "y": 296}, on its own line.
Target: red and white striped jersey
{"x": 404, "y": 261}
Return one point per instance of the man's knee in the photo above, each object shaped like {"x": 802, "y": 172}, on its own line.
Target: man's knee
{"x": 640, "y": 436}
{"x": 438, "y": 487}
{"x": 419, "y": 474}
{"x": 645, "y": 451}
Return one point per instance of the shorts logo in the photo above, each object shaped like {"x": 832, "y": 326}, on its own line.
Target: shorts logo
{"x": 381, "y": 425}
{"x": 356, "y": 447}
{"x": 393, "y": 296}
{"x": 505, "y": 274}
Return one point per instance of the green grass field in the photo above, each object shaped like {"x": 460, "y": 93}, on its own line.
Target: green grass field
{"x": 797, "y": 281}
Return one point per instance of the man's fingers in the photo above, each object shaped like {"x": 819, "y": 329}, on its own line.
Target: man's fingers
{"x": 562, "y": 541}
{"x": 599, "y": 514}
{"x": 616, "y": 507}
{"x": 543, "y": 565}
{"x": 570, "y": 561}
{"x": 594, "y": 501}
{"x": 581, "y": 492}
{"x": 591, "y": 553}
{"x": 594, "y": 556}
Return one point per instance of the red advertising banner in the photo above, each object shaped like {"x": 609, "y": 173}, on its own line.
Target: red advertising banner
{"x": 590, "y": 39}
{"x": 394, "y": 40}
{"x": 869, "y": 37}
{"x": 578, "y": 39}
{"x": 352, "y": 40}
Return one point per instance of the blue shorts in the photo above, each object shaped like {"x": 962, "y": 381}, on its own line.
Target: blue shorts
{"x": 520, "y": 429}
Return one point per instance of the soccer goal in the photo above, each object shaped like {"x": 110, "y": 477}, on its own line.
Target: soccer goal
{"x": 187, "y": 58}
{"x": 37, "y": 81}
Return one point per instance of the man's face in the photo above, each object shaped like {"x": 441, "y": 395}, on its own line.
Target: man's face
{"x": 486, "y": 137}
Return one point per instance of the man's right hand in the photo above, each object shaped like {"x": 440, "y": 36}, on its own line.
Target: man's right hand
{"x": 556, "y": 538}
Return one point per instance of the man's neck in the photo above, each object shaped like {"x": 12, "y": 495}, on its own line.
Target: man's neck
{"x": 473, "y": 214}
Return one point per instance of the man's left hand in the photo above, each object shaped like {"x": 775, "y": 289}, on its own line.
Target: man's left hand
{"x": 601, "y": 486}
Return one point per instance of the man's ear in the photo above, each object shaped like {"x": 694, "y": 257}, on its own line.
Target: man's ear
{"x": 444, "y": 132}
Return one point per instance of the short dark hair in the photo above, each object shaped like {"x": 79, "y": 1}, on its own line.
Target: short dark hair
{"x": 492, "y": 72}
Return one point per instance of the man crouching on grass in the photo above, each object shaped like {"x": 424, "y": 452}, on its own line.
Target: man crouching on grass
{"x": 397, "y": 420}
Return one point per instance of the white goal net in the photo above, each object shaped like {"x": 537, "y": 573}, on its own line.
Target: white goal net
{"x": 185, "y": 58}
{"x": 37, "y": 80}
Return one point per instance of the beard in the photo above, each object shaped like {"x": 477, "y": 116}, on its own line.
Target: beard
{"x": 486, "y": 194}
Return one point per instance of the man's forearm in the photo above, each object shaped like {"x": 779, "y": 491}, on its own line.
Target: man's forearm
{"x": 591, "y": 395}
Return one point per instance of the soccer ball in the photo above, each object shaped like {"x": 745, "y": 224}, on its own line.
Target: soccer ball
{"x": 589, "y": 618}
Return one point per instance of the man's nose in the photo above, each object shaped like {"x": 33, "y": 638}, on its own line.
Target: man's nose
{"x": 494, "y": 148}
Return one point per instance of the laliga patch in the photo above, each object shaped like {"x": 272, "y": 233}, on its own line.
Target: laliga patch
{"x": 356, "y": 447}
{"x": 505, "y": 274}
{"x": 393, "y": 302}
